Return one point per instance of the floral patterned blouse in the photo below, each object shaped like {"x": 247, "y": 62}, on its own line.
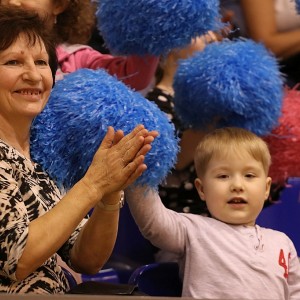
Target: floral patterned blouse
{"x": 27, "y": 192}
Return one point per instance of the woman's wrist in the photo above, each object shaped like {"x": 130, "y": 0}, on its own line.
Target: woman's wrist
{"x": 112, "y": 202}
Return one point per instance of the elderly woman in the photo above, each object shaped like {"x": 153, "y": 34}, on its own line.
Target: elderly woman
{"x": 36, "y": 222}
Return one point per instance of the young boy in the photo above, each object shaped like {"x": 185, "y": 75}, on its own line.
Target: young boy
{"x": 226, "y": 255}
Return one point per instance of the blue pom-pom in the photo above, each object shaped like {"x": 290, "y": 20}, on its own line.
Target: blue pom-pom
{"x": 232, "y": 83}
{"x": 66, "y": 135}
{"x": 154, "y": 27}
{"x": 298, "y": 6}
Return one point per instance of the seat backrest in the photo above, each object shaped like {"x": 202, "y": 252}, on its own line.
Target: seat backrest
{"x": 284, "y": 214}
{"x": 158, "y": 279}
{"x": 105, "y": 275}
{"x": 71, "y": 279}
{"x": 131, "y": 249}
{"x": 130, "y": 243}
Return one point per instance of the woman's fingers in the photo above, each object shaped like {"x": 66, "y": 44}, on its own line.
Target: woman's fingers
{"x": 118, "y": 136}
{"x": 147, "y": 143}
{"x": 135, "y": 145}
{"x": 108, "y": 138}
{"x": 131, "y": 144}
{"x": 119, "y": 160}
{"x": 144, "y": 150}
{"x": 134, "y": 170}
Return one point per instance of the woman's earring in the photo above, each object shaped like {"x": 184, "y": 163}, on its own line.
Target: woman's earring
{"x": 55, "y": 19}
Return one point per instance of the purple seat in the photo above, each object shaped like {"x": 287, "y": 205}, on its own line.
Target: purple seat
{"x": 284, "y": 215}
{"x": 105, "y": 275}
{"x": 70, "y": 278}
{"x": 131, "y": 249}
{"x": 158, "y": 279}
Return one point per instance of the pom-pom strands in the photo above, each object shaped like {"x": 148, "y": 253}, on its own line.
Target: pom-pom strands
{"x": 66, "y": 135}
{"x": 297, "y": 6}
{"x": 154, "y": 27}
{"x": 235, "y": 83}
{"x": 284, "y": 141}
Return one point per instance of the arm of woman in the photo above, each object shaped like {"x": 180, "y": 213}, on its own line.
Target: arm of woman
{"x": 135, "y": 71}
{"x": 101, "y": 229}
{"x": 97, "y": 238}
{"x": 114, "y": 166}
{"x": 260, "y": 21}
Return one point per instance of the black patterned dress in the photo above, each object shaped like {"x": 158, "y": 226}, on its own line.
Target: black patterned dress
{"x": 178, "y": 191}
{"x": 27, "y": 192}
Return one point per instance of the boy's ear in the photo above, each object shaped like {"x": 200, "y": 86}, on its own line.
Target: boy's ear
{"x": 268, "y": 187}
{"x": 199, "y": 187}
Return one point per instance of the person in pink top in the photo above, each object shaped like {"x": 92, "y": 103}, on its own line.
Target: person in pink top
{"x": 72, "y": 23}
{"x": 225, "y": 255}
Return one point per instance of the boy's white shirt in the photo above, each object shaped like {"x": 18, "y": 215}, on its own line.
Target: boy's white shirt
{"x": 220, "y": 260}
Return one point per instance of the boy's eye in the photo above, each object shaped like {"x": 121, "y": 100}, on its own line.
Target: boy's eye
{"x": 250, "y": 175}
{"x": 222, "y": 176}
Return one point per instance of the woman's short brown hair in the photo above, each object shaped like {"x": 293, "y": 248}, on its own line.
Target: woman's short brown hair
{"x": 15, "y": 21}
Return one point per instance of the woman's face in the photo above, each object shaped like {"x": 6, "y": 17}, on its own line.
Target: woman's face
{"x": 25, "y": 80}
{"x": 49, "y": 8}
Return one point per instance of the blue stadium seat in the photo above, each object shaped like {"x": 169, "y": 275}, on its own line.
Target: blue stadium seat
{"x": 284, "y": 215}
{"x": 105, "y": 275}
{"x": 158, "y": 279}
{"x": 131, "y": 249}
{"x": 70, "y": 278}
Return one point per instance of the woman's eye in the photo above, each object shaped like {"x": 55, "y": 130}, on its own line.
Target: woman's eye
{"x": 12, "y": 63}
{"x": 41, "y": 62}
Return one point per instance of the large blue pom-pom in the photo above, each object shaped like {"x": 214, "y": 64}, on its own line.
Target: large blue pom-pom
{"x": 154, "y": 27}
{"x": 232, "y": 83}
{"x": 66, "y": 135}
{"x": 298, "y": 6}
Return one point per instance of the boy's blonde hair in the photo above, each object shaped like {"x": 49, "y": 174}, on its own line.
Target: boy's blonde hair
{"x": 225, "y": 140}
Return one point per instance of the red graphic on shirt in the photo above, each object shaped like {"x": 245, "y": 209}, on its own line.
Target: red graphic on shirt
{"x": 283, "y": 263}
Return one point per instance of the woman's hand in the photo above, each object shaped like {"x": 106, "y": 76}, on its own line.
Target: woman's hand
{"x": 118, "y": 162}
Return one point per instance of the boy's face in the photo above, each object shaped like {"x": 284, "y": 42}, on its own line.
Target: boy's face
{"x": 234, "y": 187}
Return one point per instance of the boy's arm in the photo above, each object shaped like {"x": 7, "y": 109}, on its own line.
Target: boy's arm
{"x": 164, "y": 228}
